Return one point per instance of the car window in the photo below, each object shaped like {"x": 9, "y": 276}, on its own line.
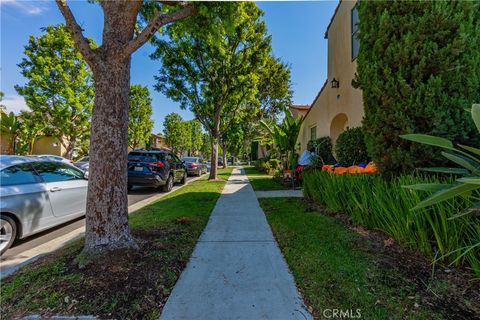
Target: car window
{"x": 175, "y": 158}
{"x": 145, "y": 156}
{"x": 56, "y": 172}
{"x": 19, "y": 174}
{"x": 189, "y": 159}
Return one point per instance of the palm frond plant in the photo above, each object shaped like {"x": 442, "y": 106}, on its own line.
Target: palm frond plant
{"x": 284, "y": 137}
{"x": 10, "y": 124}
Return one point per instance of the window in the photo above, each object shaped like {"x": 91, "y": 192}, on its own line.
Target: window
{"x": 56, "y": 172}
{"x": 354, "y": 27}
{"x": 146, "y": 156}
{"x": 313, "y": 133}
{"x": 19, "y": 174}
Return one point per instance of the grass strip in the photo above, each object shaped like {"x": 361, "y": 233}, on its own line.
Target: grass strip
{"x": 123, "y": 284}
{"x": 337, "y": 269}
{"x": 261, "y": 181}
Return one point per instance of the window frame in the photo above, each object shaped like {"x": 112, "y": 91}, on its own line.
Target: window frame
{"x": 35, "y": 174}
{"x": 354, "y": 33}
{"x": 59, "y": 165}
{"x": 314, "y": 127}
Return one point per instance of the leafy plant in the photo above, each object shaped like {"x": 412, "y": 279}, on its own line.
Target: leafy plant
{"x": 418, "y": 68}
{"x": 322, "y": 147}
{"x": 284, "y": 136}
{"x": 10, "y": 124}
{"x": 377, "y": 203}
{"x": 467, "y": 157}
{"x": 350, "y": 147}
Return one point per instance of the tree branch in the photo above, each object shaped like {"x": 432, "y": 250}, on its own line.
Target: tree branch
{"x": 159, "y": 20}
{"x": 77, "y": 33}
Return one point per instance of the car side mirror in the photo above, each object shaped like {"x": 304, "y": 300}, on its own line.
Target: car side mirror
{"x": 85, "y": 175}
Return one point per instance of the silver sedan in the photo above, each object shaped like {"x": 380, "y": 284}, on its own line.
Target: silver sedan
{"x": 36, "y": 195}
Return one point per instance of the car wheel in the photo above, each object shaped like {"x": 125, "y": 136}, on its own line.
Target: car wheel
{"x": 8, "y": 232}
{"x": 168, "y": 185}
{"x": 184, "y": 178}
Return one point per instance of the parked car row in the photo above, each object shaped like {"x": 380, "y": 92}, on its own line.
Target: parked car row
{"x": 41, "y": 192}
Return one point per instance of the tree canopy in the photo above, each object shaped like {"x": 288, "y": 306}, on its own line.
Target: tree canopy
{"x": 213, "y": 68}
{"x": 59, "y": 91}
{"x": 140, "y": 123}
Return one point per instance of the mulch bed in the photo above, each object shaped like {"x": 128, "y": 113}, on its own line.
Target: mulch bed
{"x": 460, "y": 300}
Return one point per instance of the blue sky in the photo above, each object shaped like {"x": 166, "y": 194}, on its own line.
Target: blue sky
{"x": 297, "y": 29}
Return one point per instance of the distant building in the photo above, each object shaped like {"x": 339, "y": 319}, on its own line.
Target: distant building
{"x": 338, "y": 104}
{"x": 157, "y": 141}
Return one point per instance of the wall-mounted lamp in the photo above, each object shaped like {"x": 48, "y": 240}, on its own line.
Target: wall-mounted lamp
{"x": 335, "y": 83}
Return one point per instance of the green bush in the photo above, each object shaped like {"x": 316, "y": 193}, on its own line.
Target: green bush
{"x": 350, "y": 147}
{"x": 418, "y": 68}
{"x": 375, "y": 203}
{"x": 269, "y": 166}
{"x": 323, "y": 150}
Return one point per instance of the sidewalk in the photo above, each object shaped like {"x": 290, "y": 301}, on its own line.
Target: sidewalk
{"x": 236, "y": 270}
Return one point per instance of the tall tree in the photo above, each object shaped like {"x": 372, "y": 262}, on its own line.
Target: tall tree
{"x": 140, "y": 122}
{"x": 196, "y": 139}
{"x": 177, "y": 133}
{"x": 211, "y": 68}
{"x": 59, "y": 90}
{"x": 107, "y": 203}
{"x": 418, "y": 68}
{"x": 274, "y": 88}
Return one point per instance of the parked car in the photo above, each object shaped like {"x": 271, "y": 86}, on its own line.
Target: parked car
{"x": 195, "y": 165}
{"x": 220, "y": 161}
{"x": 37, "y": 194}
{"x": 159, "y": 169}
{"x": 83, "y": 163}
{"x": 52, "y": 157}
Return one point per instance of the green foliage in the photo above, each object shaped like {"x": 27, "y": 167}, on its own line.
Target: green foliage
{"x": 140, "y": 124}
{"x": 178, "y": 134}
{"x": 380, "y": 204}
{"x": 322, "y": 147}
{"x": 418, "y": 68}
{"x": 59, "y": 90}
{"x": 285, "y": 136}
{"x": 468, "y": 158}
{"x": 9, "y": 124}
{"x": 196, "y": 142}
{"x": 211, "y": 64}
{"x": 274, "y": 88}
{"x": 350, "y": 147}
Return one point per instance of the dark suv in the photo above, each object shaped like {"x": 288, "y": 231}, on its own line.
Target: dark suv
{"x": 155, "y": 169}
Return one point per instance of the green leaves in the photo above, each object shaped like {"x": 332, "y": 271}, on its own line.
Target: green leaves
{"x": 140, "y": 124}
{"x": 59, "y": 89}
{"x": 469, "y": 161}
{"x": 428, "y": 140}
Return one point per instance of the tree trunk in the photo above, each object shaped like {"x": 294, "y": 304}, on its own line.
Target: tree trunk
{"x": 214, "y": 159}
{"x": 224, "y": 149}
{"x": 107, "y": 202}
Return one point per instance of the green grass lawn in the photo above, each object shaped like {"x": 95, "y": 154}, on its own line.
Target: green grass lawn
{"x": 261, "y": 181}
{"x": 334, "y": 271}
{"x": 126, "y": 285}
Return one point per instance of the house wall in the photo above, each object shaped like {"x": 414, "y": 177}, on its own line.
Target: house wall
{"x": 335, "y": 109}
{"x": 48, "y": 145}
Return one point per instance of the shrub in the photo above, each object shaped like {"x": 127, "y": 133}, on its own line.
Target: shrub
{"x": 350, "y": 147}
{"x": 380, "y": 204}
{"x": 323, "y": 150}
{"x": 269, "y": 166}
{"x": 418, "y": 67}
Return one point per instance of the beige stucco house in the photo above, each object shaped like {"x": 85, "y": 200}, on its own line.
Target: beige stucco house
{"x": 338, "y": 104}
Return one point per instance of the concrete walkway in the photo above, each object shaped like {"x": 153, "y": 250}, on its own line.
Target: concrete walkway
{"x": 236, "y": 270}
